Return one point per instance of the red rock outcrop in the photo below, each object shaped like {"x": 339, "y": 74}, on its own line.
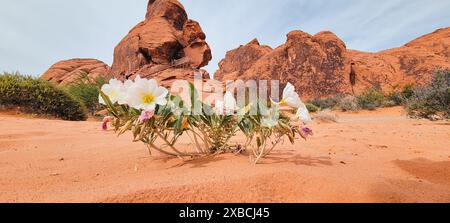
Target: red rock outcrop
{"x": 304, "y": 60}
{"x": 241, "y": 59}
{"x": 413, "y": 63}
{"x": 321, "y": 65}
{"x": 165, "y": 46}
{"x": 67, "y": 71}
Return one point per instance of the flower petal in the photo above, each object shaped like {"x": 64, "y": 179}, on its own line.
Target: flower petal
{"x": 161, "y": 91}
{"x": 303, "y": 114}
{"x": 288, "y": 90}
{"x": 152, "y": 85}
{"x": 230, "y": 102}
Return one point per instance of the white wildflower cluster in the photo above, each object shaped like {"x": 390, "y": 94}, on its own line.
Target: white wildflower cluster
{"x": 150, "y": 112}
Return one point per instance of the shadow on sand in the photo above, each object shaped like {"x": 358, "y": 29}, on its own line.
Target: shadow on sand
{"x": 287, "y": 157}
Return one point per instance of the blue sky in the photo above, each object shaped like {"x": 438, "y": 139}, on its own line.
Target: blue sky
{"x": 36, "y": 34}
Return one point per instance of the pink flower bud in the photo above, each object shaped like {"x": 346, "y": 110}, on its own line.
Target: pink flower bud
{"x": 146, "y": 115}
{"x": 306, "y": 132}
{"x": 105, "y": 121}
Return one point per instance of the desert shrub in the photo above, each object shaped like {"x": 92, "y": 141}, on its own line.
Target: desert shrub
{"x": 408, "y": 92}
{"x": 312, "y": 107}
{"x": 371, "y": 99}
{"x": 397, "y": 98}
{"x": 87, "y": 90}
{"x": 326, "y": 116}
{"x": 327, "y": 103}
{"x": 39, "y": 96}
{"x": 432, "y": 101}
{"x": 348, "y": 103}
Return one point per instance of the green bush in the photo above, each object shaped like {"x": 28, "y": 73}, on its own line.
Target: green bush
{"x": 312, "y": 108}
{"x": 408, "y": 92}
{"x": 348, "y": 103}
{"x": 39, "y": 96}
{"x": 432, "y": 101}
{"x": 371, "y": 99}
{"x": 87, "y": 91}
{"x": 327, "y": 103}
{"x": 400, "y": 98}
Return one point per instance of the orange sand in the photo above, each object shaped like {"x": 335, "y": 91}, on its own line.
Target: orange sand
{"x": 366, "y": 157}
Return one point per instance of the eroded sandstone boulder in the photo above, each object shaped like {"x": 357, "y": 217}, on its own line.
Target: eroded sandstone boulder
{"x": 67, "y": 71}
{"x": 241, "y": 59}
{"x": 312, "y": 63}
{"x": 166, "y": 45}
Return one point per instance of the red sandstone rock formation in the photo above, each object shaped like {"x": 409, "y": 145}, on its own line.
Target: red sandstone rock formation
{"x": 413, "y": 63}
{"x": 165, "y": 46}
{"x": 67, "y": 71}
{"x": 320, "y": 65}
{"x": 241, "y": 59}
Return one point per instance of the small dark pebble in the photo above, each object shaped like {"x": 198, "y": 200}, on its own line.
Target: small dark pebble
{"x": 342, "y": 162}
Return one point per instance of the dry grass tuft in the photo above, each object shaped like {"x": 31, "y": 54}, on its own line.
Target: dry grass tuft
{"x": 326, "y": 116}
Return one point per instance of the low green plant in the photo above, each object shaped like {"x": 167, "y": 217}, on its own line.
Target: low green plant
{"x": 87, "y": 90}
{"x": 312, "y": 108}
{"x": 158, "y": 119}
{"x": 371, "y": 99}
{"x": 348, "y": 103}
{"x": 397, "y": 98}
{"x": 432, "y": 101}
{"x": 39, "y": 96}
{"x": 327, "y": 103}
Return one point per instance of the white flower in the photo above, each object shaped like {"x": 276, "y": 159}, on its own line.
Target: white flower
{"x": 228, "y": 106}
{"x": 219, "y": 107}
{"x": 269, "y": 122}
{"x": 114, "y": 90}
{"x": 146, "y": 94}
{"x": 270, "y": 117}
{"x": 124, "y": 92}
{"x": 230, "y": 102}
{"x": 290, "y": 97}
{"x": 303, "y": 113}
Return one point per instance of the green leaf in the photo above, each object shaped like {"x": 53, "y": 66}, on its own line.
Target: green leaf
{"x": 178, "y": 125}
{"x": 109, "y": 104}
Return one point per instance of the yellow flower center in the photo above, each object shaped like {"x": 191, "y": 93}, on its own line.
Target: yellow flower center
{"x": 148, "y": 98}
{"x": 114, "y": 94}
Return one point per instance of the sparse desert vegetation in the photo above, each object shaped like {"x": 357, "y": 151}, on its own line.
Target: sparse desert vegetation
{"x": 40, "y": 97}
{"x": 431, "y": 101}
{"x": 87, "y": 91}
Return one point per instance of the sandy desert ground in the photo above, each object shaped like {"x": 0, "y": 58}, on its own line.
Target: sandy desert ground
{"x": 377, "y": 156}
